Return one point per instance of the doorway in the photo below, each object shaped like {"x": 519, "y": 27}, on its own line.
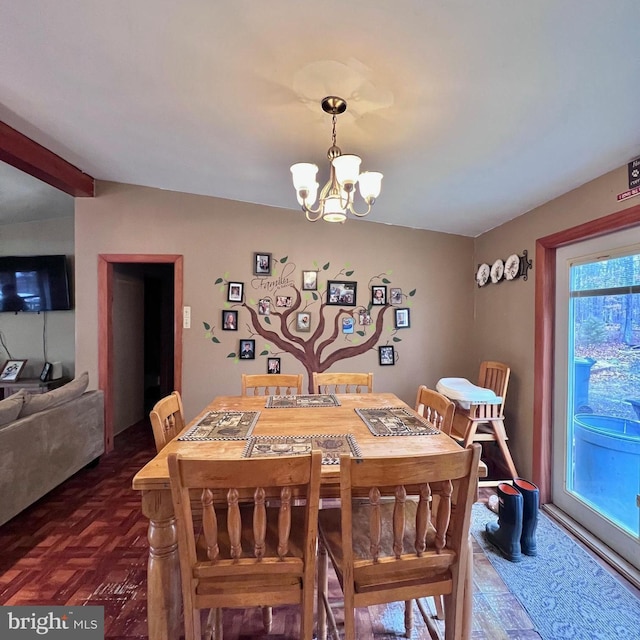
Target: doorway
{"x": 140, "y": 334}
{"x": 596, "y": 429}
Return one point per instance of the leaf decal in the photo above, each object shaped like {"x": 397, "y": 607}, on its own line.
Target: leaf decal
{"x": 395, "y": 339}
{"x": 214, "y": 339}
{"x": 326, "y": 266}
{"x": 314, "y": 296}
{"x": 267, "y": 320}
{"x": 264, "y": 353}
{"x": 412, "y": 293}
{"x": 218, "y": 281}
{"x": 360, "y": 333}
{"x": 231, "y": 355}
{"x": 283, "y": 260}
{"x": 386, "y": 281}
{"x": 207, "y": 326}
{"x": 349, "y": 273}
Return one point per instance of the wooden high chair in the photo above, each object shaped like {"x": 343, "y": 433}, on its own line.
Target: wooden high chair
{"x": 485, "y": 422}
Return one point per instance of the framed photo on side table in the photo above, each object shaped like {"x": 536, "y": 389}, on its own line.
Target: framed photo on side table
{"x": 11, "y": 370}
{"x": 46, "y": 370}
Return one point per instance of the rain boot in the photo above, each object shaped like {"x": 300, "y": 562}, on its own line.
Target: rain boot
{"x": 506, "y": 533}
{"x": 530, "y": 500}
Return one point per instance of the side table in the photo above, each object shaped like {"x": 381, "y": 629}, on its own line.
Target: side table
{"x": 32, "y": 385}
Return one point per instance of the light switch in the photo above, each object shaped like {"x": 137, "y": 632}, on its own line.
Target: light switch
{"x": 186, "y": 317}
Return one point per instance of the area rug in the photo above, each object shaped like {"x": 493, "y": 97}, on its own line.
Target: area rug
{"x": 566, "y": 593}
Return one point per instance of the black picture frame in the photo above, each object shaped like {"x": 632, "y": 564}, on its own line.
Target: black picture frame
{"x": 386, "y": 355}
{"x": 46, "y": 372}
{"x": 378, "y": 294}
{"x": 342, "y": 293}
{"x": 273, "y": 365}
{"x": 234, "y": 291}
{"x": 402, "y": 318}
{"x": 261, "y": 264}
{"x": 229, "y": 320}
{"x": 247, "y": 350}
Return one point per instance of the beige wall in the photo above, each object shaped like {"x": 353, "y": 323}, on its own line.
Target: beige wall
{"x": 504, "y": 313}
{"x": 220, "y": 236}
{"x": 23, "y": 331}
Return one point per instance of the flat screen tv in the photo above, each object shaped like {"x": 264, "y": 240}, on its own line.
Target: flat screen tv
{"x": 34, "y": 283}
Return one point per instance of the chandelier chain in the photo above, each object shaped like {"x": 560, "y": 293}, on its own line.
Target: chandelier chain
{"x": 333, "y": 134}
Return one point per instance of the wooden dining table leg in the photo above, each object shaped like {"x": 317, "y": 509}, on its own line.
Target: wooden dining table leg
{"x": 164, "y": 598}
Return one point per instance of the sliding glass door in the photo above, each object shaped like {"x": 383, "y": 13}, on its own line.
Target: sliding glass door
{"x": 596, "y": 438}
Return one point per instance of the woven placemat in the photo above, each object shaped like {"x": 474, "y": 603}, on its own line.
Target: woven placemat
{"x": 395, "y": 421}
{"x": 300, "y": 401}
{"x": 330, "y": 445}
{"x": 223, "y": 425}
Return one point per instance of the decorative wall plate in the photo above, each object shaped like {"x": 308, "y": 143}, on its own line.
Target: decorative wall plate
{"x": 512, "y": 267}
{"x": 482, "y": 274}
{"x": 497, "y": 271}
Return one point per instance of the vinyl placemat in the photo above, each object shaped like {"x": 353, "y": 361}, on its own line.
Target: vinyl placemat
{"x": 311, "y": 400}
{"x": 395, "y": 421}
{"x": 223, "y": 425}
{"x": 331, "y": 446}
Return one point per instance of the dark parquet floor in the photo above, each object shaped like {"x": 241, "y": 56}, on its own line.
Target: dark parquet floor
{"x": 85, "y": 544}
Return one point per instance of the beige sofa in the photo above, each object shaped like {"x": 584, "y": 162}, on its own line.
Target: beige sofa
{"x": 41, "y": 450}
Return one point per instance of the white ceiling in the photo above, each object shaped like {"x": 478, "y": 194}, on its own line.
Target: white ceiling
{"x": 475, "y": 111}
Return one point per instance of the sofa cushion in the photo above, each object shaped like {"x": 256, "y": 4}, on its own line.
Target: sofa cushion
{"x": 41, "y": 401}
{"x": 10, "y": 407}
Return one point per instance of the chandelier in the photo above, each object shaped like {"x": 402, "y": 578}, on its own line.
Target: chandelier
{"x": 337, "y": 196}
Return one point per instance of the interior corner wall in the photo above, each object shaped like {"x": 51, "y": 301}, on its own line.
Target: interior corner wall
{"x": 23, "y": 332}
{"x": 218, "y": 239}
{"x": 505, "y": 312}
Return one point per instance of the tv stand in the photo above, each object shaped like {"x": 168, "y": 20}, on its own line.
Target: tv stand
{"x": 32, "y": 385}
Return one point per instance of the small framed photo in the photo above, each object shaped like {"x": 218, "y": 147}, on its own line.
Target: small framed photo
{"x": 309, "y": 280}
{"x": 46, "y": 371}
{"x": 364, "y": 318}
{"x": 386, "y": 355}
{"x": 402, "y": 319}
{"x": 247, "y": 350}
{"x": 342, "y": 293}
{"x": 234, "y": 294}
{"x": 261, "y": 264}
{"x": 11, "y": 370}
{"x": 273, "y": 365}
{"x": 396, "y": 295}
{"x": 284, "y": 301}
{"x": 347, "y": 325}
{"x": 378, "y": 294}
{"x": 264, "y": 307}
{"x": 229, "y": 320}
{"x": 303, "y": 321}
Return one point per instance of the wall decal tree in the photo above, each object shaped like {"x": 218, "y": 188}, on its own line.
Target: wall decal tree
{"x": 324, "y": 344}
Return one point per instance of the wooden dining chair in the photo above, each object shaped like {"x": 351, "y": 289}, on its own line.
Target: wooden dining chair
{"x": 167, "y": 419}
{"x": 276, "y": 384}
{"x": 387, "y": 550}
{"x": 435, "y": 408}
{"x": 343, "y": 382}
{"x": 246, "y": 554}
{"x": 485, "y": 422}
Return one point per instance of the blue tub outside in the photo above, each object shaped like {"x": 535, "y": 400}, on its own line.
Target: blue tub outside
{"x": 607, "y": 466}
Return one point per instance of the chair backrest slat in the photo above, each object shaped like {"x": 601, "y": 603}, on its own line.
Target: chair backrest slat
{"x": 167, "y": 419}
{"x": 343, "y": 382}
{"x": 278, "y": 384}
{"x": 435, "y": 408}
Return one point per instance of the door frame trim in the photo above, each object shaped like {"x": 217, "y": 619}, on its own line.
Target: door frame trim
{"x": 544, "y": 333}
{"x": 106, "y": 262}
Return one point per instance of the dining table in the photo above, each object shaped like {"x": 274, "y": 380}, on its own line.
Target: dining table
{"x": 273, "y": 419}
